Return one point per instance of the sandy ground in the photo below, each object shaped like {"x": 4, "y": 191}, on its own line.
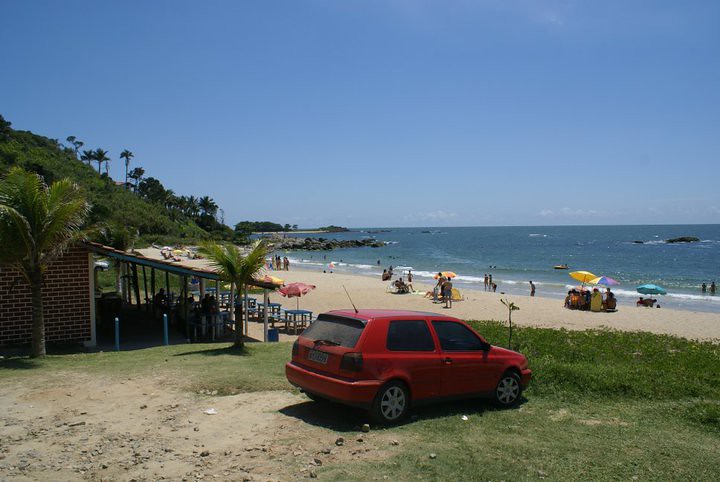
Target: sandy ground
{"x": 371, "y": 292}
{"x": 98, "y": 428}
{"x": 368, "y": 292}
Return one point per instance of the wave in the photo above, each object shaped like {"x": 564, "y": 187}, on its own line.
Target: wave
{"x": 538, "y": 235}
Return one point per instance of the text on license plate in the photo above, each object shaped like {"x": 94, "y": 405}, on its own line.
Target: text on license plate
{"x": 318, "y": 356}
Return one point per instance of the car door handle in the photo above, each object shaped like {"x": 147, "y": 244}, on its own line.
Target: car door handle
{"x": 447, "y": 361}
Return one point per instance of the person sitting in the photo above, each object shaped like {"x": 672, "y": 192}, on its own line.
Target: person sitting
{"x": 385, "y": 275}
{"x": 610, "y": 302}
{"x": 568, "y": 300}
{"x": 401, "y": 286}
{"x": 647, "y": 302}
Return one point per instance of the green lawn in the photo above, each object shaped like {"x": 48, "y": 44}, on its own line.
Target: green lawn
{"x": 603, "y": 405}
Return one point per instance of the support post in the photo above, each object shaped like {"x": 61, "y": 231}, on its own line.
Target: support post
{"x": 231, "y": 305}
{"x": 165, "y": 330}
{"x": 117, "y": 334}
{"x": 152, "y": 289}
{"x": 266, "y": 299}
{"x": 147, "y": 304}
{"x": 136, "y": 285}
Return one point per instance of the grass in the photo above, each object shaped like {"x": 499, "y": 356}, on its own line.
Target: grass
{"x": 603, "y": 405}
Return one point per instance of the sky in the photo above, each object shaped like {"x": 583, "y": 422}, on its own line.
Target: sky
{"x": 387, "y": 113}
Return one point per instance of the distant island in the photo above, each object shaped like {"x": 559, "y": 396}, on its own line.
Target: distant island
{"x": 681, "y": 239}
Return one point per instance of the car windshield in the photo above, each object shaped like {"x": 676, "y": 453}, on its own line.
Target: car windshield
{"x": 335, "y": 330}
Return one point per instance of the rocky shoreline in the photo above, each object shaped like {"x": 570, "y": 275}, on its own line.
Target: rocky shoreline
{"x": 321, "y": 244}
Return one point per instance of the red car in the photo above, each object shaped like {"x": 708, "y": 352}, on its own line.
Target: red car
{"x": 386, "y": 360}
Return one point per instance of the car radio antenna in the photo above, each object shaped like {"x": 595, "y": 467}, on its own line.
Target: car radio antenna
{"x": 351, "y": 301}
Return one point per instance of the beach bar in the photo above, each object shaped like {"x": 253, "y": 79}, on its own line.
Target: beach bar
{"x": 74, "y": 308}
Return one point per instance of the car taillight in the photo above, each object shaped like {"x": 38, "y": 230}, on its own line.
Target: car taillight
{"x": 296, "y": 349}
{"x": 352, "y": 362}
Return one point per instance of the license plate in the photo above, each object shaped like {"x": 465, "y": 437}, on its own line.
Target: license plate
{"x": 318, "y": 356}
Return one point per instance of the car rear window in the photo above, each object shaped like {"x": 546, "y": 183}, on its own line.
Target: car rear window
{"x": 343, "y": 331}
{"x": 409, "y": 335}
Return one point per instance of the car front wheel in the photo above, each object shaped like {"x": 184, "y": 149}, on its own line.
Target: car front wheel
{"x": 508, "y": 390}
{"x": 391, "y": 403}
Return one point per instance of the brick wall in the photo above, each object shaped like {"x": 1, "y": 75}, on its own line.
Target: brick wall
{"x": 66, "y": 298}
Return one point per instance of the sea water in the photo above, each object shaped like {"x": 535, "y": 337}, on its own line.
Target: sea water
{"x": 516, "y": 255}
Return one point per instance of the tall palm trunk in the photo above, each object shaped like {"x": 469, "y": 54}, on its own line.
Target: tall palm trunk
{"x": 239, "y": 338}
{"x": 38, "y": 322}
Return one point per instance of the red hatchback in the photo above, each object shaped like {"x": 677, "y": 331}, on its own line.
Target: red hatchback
{"x": 385, "y": 360}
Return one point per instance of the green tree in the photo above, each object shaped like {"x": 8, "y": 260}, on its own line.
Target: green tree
{"x": 127, "y": 155}
{"x": 76, "y": 144}
{"x": 88, "y": 156}
{"x": 100, "y": 156}
{"x": 234, "y": 267}
{"x": 37, "y": 224}
{"x": 5, "y": 129}
{"x": 207, "y": 206}
{"x": 137, "y": 175}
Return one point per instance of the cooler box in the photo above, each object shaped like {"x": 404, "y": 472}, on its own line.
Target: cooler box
{"x": 273, "y": 335}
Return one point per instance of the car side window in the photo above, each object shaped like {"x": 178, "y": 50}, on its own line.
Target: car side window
{"x": 456, "y": 337}
{"x": 409, "y": 335}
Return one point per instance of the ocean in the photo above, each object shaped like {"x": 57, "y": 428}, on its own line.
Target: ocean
{"x": 516, "y": 255}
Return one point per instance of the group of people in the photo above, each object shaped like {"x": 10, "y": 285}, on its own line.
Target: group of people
{"x": 704, "y": 288}
{"x": 278, "y": 263}
{"x": 584, "y": 299}
{"x": 489, "y": 285}
{"x": 442, "y": 292}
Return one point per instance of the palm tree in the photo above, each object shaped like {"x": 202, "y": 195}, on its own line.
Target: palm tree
{"x": 207, "y": 206}
{"x": 37, "y": 224}
{"x": 234, "y": 267}
{"x": 127, "y": 155}
{"x": 87, "y": 156}
{"x": 100, "y": 156}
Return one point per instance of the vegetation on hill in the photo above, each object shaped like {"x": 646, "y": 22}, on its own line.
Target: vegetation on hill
{"x": 245, "y": 228}
{"x": 143, "y": 206}
{"x": 333, "y": 229}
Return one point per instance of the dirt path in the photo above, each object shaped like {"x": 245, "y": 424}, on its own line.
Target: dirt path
{"x": 95, "y": 428}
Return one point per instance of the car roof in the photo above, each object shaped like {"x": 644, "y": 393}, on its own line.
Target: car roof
{"x": 367, "y": 315}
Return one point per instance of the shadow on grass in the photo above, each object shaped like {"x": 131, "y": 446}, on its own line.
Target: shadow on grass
{"x": 342, "y": 418}
{"x": 226, "y": 350}
{"x": 19, "y": 364}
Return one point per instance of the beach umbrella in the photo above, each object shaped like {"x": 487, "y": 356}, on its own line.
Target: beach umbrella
{"x": 447, "y": 274}
{"x": 272, "y": 280}
{"x": 296, "y": 290}
{"x": 651, "y": 289}
{"x": 582, "y": 276}
{"x": 603, "y": 280}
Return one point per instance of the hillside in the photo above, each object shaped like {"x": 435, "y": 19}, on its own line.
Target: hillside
{"x": 147, "y": 208}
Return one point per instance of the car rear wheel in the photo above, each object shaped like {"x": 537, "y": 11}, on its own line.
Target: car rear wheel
{"x": 391, "y": 403}
{"x": 508, "y": 390}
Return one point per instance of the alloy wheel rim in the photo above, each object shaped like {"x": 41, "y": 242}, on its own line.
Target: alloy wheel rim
{"x": 508, "y": 390}
{"x": 392, "y": 403}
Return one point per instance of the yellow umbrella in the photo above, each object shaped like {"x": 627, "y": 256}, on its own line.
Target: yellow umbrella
{"x": 582, "y": 276}
{"x": 273, "y": 279}
{"x": 447, "y": 274}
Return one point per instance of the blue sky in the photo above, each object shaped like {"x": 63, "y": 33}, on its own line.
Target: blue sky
{"x": 387, "y": 113}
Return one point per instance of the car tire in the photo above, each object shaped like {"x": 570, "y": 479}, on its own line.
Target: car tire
{"x": 391, "y": 403}
{"x": 508, "y": 390}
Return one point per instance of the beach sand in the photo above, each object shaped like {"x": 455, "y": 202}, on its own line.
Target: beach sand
{"x": 370, "y": 292}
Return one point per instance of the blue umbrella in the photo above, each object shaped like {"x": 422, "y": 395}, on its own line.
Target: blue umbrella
{"x": 651, "y": 289}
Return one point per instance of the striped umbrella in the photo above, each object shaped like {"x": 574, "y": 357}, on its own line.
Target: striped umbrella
{"x": 603, "y": 280}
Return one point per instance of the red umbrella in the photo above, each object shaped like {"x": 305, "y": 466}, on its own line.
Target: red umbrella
{"x": 296, "y": 290}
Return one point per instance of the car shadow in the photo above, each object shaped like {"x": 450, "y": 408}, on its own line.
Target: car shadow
{"x": 343, "y": 418}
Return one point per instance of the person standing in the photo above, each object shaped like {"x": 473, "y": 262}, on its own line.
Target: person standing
{"x": 712, "y": 288}
{"x": 409, "y": 276}
{"x": 703, "y": 288}
{"x": 490, "y": 279}
{"x": 532, "y": 288}
{"x": 447, "y": 292}
{"x": 486, "y": 282}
